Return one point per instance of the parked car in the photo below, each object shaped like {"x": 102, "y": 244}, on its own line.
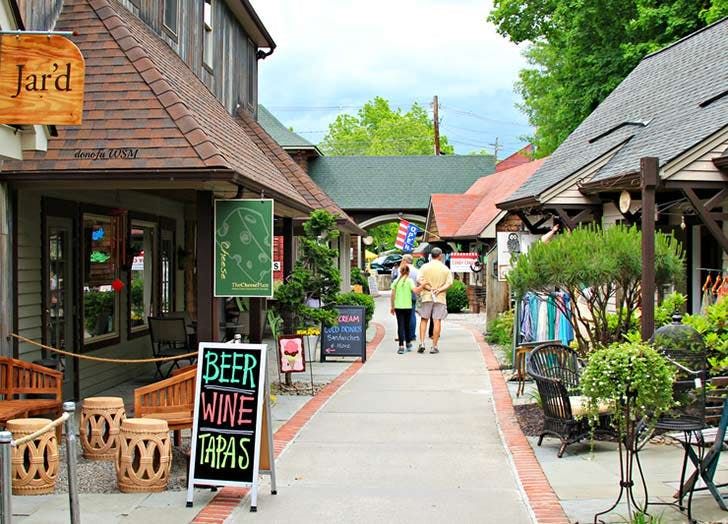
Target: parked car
{"x": 385, "y": 263}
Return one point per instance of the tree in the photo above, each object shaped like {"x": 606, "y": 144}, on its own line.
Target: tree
{"x": 596, "y": 267}
{"x": 308, "y": 296}
{"x": 379, "y": 130}
{"x": 384, "y": 236}
{"x": 580, "y": 51}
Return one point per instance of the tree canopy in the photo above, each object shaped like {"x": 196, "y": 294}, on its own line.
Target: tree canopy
{"x": 379, "y": 130}
{"x": 580, "y": 51}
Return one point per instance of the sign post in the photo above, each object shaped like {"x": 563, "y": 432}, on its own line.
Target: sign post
{"x": 244, "y": 248}
{"x": 41, "y": 80}
{"x": 347, "y": 338}
{"x": 232, "y": 439}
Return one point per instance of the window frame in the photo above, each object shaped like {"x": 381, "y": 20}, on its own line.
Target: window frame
{"x": 143, "y": 221}
{"x": 169, "y": 226}
{"x": 113, "y": 338}
{"x": 208, "y": 37}
{"x": 173, "y": 32}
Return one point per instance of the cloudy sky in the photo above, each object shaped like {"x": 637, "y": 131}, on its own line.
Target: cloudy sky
{"x": 334, "y": 55}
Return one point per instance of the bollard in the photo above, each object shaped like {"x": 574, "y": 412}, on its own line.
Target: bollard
{"x": 6, "y": 439}
{"x": 70, "y": 407}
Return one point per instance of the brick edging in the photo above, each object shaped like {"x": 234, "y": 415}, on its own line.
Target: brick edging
{"x": 229, "y": 498}
{"x": 541, "y": 498}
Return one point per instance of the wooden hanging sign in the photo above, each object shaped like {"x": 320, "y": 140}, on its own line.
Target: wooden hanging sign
{"x": 41, "y": 80}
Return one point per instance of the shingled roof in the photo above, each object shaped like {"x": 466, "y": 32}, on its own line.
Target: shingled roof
{"x": 674, "y": 99}
{"x": 140, "y": 95}
{"x": 467, "y": 216}
{"x": 313, "y": 194}
{"x": 395, "y": 182}
{"x": 286, "y": 138}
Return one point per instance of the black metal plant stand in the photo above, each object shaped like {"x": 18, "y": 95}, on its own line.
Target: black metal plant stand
{"x": 628, "y": 457}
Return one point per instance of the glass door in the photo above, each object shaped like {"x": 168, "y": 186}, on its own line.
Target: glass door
{"x": 58, "y": 301}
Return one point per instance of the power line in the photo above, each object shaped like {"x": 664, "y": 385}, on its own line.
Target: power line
{"x": 481, "y": 117}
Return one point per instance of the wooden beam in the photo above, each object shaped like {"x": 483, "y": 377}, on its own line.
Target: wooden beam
{"x": 532, "y": 228}
{"x": 708, "y": 221}
{"x": 649, "y": 167}
{"x": 566, "y": 220}
{"x": 716, "y": 199}
{"x": 207, "y": 323}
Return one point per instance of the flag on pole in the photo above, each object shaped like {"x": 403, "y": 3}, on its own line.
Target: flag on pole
{"x": 406, "y": 235}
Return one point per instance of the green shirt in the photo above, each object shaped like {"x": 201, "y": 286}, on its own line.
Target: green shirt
{"x": 402, "y": 289}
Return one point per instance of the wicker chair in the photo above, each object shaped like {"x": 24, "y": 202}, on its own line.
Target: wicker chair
{"x": 555, "y": 369}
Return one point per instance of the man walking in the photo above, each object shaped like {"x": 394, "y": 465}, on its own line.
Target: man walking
{"x": 437, "y": 279}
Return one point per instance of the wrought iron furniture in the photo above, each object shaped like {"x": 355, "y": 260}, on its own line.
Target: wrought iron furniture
{"x": 555, "y": 369}
{"x": 29, "y": 389}
{"x": 169, "y": 339}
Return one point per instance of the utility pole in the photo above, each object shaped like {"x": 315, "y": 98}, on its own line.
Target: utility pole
{"x": 436, "y": 121}
{"x": 496, "y": 147}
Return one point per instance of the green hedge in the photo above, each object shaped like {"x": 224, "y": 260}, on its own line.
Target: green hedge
{"x": 357, "y": 299}
{"x": 457, "y": 297}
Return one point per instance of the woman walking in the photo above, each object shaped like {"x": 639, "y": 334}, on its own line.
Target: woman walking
{"x": 401, "y": 305}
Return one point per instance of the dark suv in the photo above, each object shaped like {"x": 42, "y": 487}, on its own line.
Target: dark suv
{"x": 385, "y": 263}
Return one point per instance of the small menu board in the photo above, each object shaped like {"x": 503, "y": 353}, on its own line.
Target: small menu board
{"x": 230, "y": 396}
{"x": 348, "y": 338}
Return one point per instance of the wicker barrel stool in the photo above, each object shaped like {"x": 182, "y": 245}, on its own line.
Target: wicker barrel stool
{"x": 100, "y": 421}
{"x": 35, "y": 463}
{"x": 145, "y": 455}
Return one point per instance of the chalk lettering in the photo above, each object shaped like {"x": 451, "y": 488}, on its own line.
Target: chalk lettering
{"x": 226, "y": 373}
{"x": 221, "y": 451}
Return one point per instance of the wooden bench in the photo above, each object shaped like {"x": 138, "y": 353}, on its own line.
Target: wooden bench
{"x": 29, "y": 389}
{"x": 171, "y": 399}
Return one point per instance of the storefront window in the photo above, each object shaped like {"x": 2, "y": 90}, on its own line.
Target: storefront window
{"x": 100, "y": 300}
{"x": 141, "y": 300}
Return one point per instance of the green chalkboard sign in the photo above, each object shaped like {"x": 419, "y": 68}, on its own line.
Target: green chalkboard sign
{"x": 244, "y": 248}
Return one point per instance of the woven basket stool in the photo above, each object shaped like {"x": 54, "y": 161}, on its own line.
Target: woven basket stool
{"x": 100, "y": 421}
{"x": 35, "y": 463}
{"x": 145, "y": 455}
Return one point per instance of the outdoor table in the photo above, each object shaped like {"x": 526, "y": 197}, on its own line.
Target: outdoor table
{"x": 688, "y": 426}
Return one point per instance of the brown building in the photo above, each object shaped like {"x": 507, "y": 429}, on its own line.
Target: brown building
{"x": 127, "y": 197}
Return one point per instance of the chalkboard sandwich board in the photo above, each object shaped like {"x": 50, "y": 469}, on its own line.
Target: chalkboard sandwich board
{"x": 349, "y": 337}
{"x": 231, "y": 396}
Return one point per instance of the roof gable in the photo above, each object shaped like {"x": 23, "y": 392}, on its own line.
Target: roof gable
{"x": 395, "y": 182}
{"x": 448, "y": 212}
{"x": 286, "y": 138}
{"x": 522, "y": 156}
{"x": 143, "y": 99}
{"x": 662, "y": 108}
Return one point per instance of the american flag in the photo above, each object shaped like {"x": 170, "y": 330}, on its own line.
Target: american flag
{"x": 406, "y": 235}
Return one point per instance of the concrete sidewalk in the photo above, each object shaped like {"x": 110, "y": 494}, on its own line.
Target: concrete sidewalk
{"x": 410, "y": 438}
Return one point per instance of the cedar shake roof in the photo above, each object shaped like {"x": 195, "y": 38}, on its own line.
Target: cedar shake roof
{"x": 522, "y": 156}
{"x": 140, "y": 95}
{"x": 313, "y": 194}
{"x": 469, "y": 214}
{"x": 674, "y": 99}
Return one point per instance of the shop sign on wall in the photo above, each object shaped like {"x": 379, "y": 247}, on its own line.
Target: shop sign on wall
{"x": 244, "y": 248}
{"x": 41, "y": 80}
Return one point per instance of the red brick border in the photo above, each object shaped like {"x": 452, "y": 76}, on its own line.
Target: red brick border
{"x": 541, "y": 497}
{"x": 225, "y": 502}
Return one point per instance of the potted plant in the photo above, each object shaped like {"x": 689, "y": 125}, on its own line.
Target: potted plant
{"x": 635, "y": 381}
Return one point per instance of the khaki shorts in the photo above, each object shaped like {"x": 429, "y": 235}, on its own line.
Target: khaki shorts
{"x": 434, "y": 310}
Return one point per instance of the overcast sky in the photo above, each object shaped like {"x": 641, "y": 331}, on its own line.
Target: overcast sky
{"x": 334, "y": 55}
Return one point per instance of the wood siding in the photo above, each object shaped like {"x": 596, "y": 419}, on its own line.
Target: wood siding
{"x": 233, "y": 78}
{"x": 702, "y": 168}
{"x": 40, "y": 15}
{"x": 94, "y": 376}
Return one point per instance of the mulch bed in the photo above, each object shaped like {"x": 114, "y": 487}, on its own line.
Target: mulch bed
{"x": 530, "y": 419}
{"x": 299, "y": 389}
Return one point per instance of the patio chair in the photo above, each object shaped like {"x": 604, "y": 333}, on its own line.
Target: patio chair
{"x": 169, "y": 339}
{"x": 555, "y": 369}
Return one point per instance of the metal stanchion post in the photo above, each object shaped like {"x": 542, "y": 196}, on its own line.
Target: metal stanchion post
{"x": 6, "y": 439}
{"x": 70, "y": 408}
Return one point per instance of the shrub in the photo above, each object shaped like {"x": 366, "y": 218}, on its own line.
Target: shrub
{"x": 500, "y": 329}
{"x": 626, "y": 371}
{"x": 713, "y": 326}
{"x": 457, "y": 297}
{"x": 357, "y": 299}
{"x": 670, "y": 304}
{"x": 358, "y": 277}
